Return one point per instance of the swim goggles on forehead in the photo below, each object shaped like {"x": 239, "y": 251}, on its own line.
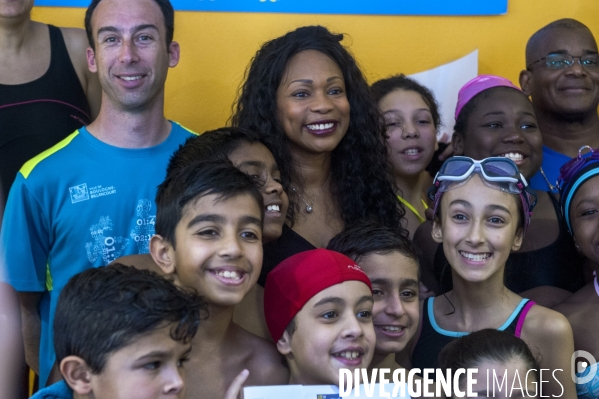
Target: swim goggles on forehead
{"x": 501, "y": 171}
{"x": 573, "y": 166}
{"x": 494, "y": 169}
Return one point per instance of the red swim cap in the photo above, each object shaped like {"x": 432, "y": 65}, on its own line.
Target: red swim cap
{"x": 298, "y": 278}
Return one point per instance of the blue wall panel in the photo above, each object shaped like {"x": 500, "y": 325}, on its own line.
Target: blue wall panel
{"x": 368, "y": 7}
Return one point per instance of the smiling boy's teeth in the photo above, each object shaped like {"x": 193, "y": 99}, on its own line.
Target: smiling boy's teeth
{"x": 349, "y": 354}
{"x": 412, "y": 151}
{"x": 233, "y": 275}
{"x": 131, "y": 77}
{"x": 475, "y": 257}
{"x": 272, "y": 208}
{"x": 320, "y": 126}
{"x": 514, "y": 156}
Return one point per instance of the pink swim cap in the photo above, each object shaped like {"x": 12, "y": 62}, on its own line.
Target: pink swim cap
{"x": 477, "y": 85}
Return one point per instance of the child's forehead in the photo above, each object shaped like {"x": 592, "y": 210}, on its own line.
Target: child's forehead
{"x": 247, "y": 151}
{"x": 476, "y": 193}
{"x": 226, "y": 207}
{"x": 156, "y": 342}
{"x": 391, "y": 265}
{"x": 590, "y": 186}
{"x": 344, "y": 293}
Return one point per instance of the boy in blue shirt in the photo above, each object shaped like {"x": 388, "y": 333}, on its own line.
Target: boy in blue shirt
{"x": 123, "y": 333}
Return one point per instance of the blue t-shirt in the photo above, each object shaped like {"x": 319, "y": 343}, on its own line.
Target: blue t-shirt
{"x": 552, "y": 161}
{"x": 60, "y": 390}
{"x": 80, "y": 204}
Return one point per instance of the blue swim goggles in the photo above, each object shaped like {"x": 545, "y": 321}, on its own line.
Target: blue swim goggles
{"x": 502, "y": 173}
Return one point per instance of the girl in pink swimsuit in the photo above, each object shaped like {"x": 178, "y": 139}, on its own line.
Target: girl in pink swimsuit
{"x": 481, "y": 211}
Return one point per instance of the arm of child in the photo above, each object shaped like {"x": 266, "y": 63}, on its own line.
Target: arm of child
{"x": 31, "y": 327}
{"x": 549, "y": 334}
{"x": 12, "y": 363}
{"x": 236, "y": 385}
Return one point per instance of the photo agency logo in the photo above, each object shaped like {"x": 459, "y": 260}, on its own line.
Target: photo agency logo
{"x": 462, "y": 383}
{"x": 424, "y": 383}
{"x": 583, "y": 367}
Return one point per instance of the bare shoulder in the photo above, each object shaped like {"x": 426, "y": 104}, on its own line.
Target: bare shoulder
{"x": 546, "y": 324}
{"x": 546, "y": 295}
{"x": 262, "y": 351}
{"x": 263, "y": 360}
{"x": 77, "y": 44}
{"x": 575, "y": 304}
{"x": 75, "y": 39}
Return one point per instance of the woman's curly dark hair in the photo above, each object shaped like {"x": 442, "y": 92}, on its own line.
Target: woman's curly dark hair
{"x": 360, "y": 171}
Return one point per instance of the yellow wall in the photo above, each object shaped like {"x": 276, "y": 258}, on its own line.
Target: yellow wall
{"x": 216, "y": 47}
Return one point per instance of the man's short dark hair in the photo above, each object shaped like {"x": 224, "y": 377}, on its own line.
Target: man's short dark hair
{"x": 366, "y": 236}
{"x": 195, "y": 181}
{"x": 167, "y": 12}
{"x": 102, "y": 310}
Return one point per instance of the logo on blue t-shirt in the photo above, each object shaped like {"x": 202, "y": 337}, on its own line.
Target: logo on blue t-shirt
{"x": 105, "y": 245}
{"x": 79, "y": 193}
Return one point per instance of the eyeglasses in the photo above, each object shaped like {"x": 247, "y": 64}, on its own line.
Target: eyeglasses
{"x": 573, "y": 166}
{"x": 563, "y": 61}
{"x": 493, "y": 169}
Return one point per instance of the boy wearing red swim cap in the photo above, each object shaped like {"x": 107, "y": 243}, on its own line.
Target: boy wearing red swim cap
{"x": 318, "y": 308}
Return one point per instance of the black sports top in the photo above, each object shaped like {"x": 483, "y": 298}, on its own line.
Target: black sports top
{"x": 288, "y": 244}
{"x": 433, "y": 338}
{"x": 36, "y": 115}
{"x": 556, "y": 265}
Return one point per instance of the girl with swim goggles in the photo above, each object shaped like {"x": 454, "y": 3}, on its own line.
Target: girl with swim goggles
{"x": 482, "y": 209}
{"x": 495, "y": 118}
{"x": 498, "y": 172}
{"x": 579, "y": 199}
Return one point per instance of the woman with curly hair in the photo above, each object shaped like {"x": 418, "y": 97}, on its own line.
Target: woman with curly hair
{"x": 306, "y": 94}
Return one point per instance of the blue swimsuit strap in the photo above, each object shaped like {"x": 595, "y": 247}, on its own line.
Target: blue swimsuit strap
{"x": 457, "y": 334}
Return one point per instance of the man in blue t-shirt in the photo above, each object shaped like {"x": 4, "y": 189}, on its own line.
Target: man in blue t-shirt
{"x": 562, "y": 79}
{"x": 90, "y": 199}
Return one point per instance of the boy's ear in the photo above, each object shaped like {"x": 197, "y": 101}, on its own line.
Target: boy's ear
{"x": 284, "y": 344}
{"x": 77, "y": 374}
{"x": 163, "y": 253}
